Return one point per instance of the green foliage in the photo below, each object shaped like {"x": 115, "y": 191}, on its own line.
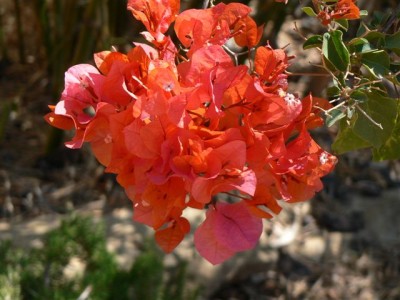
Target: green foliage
{"x": 392, "y": 42}
{"x": 335, "y": 53}
{"x": 40, "y": 273}
{"x": 377, "y": 62}
{"x": 365, "y": 90}
{"x": 10, "y": 277}
{"x": 391, "y": 148}
{"x": 309, "y": 11}
{"x": 313, "y": 42}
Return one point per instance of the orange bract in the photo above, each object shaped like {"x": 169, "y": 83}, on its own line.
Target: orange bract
{"x": 343, "y": 9}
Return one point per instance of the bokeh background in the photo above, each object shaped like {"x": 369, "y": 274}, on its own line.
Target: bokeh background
{"x": 65, "y": 226}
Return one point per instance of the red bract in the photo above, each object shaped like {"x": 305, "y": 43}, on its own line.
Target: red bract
{"x": 180, "y": 128}
{"x": 229, "y": 228}
{"x": 342, "y": 9}
{"x": 346, "y": 9}
{"x": 196, "y": 28}
{"x": 156, "y": 15}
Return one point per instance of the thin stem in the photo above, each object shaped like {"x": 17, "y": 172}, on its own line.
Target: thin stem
{"x": 367, "y": 83}
{"x": 307, "y": 74}
{"x": 140, "y": 82}
{"x": 327, "y": 112}
{"x": 298, "y": 32}
{"x": 231, "y": 53}
{"x": 368, "y": 117}
{"x": 182, "y": 57}
{"x": 335, "y": 100}
{"x": 378, "y": 89}
{"x": 234, "y": 54}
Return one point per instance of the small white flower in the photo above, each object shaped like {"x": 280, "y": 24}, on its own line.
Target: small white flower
{"x": 323, "y": 158}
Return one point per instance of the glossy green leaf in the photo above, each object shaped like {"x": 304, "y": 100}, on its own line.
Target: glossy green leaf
{"x": 377, "y": 61}
{"x": 359, "y": 45}
{"x": 309, "y": 11}
{"x": 312, "y": 42}
{"x": 333, "y": 92}
{"x": 347, "y": 140}
{"x": 392, "y": 42}
{"x": 377, "y": 38}
{"x": 360, "y": 132}
{"x": 335, "y": 52}
{"x": 383, "y": 111}
{"x": 391, "y": 148}
{"x": 363, "y": 13}
{"x": 359, "y": 96}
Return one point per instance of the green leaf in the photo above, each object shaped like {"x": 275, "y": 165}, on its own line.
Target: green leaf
{"x": 359, "y": 96}
{"x": 361, "y": 132}
{"x": 378, "y": 62}
{"x": 309, "y": 11}
{"x": 335, "y": 52}
{"x": 333, "y": 92}
{"x": 359, "y": 45}
{"x": 334, "y": 116}
{"x": 392, "y": 42}
{"x": 363, "y": 13}
{"x": 347, "y": 140}
{"x": 343, "y": 23}
{"x": 312, "y": 42}
{"x": 376, "y": 38}
{"x": 383, "y": 111}
{"x": 391, "y": 148}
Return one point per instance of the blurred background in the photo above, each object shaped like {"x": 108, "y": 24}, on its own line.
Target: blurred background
{"x": 65, "y": 226}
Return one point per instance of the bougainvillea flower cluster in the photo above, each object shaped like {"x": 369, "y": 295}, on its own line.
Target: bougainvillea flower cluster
{"x": 181, "y": 125}
{"x": 329, "y": 11}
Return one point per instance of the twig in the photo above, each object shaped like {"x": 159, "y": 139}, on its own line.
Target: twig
{"x": 368, "y": 117}
{"x": 298, "y": 32}
{"x": 327, "y": 112}
{"x": 307, "y": 74}
{"x": 234, "y": 54}
{"x": 367, "y": 83}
